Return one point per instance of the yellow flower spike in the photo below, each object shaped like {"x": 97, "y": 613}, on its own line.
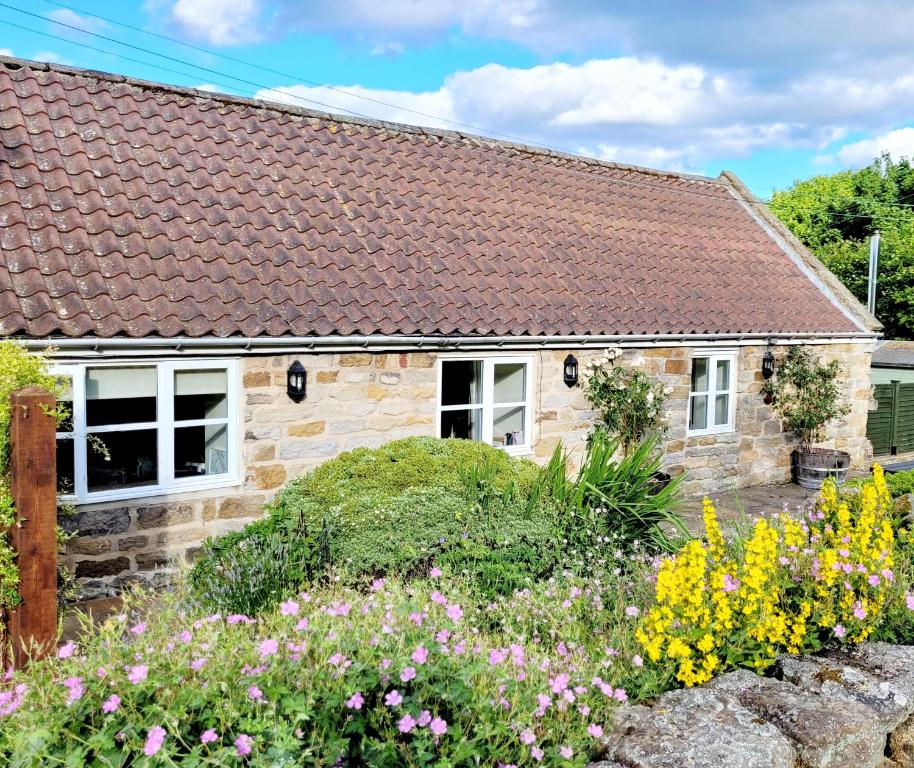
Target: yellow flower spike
{"x": 712, "y": 530}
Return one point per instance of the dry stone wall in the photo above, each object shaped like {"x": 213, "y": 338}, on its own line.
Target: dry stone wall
{"x": 849, "y": 708}
{"x": 362, "y": 399}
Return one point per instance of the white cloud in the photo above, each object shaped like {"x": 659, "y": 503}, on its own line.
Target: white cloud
{"x": 6, "y": 52}
{"x": 219, "y": 22}
{"x": 388, "y": 49}
{"x": 210, "y": 88}
{"x": 898, "y": 143}
{"x": 72, "y": 19}
{"x": 49, "y": 56}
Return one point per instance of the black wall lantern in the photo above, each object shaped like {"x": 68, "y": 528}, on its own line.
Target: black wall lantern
{"x": 296, "y": 381}
{"x": 570, "y": 370}
{"x": 768, "y": 364}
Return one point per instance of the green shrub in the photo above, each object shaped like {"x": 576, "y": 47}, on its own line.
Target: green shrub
{"x": 391, "y": 511}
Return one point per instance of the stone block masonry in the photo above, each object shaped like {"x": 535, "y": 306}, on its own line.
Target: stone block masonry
{"x": 848, "y": 708}
{"x": 363, "y": 400}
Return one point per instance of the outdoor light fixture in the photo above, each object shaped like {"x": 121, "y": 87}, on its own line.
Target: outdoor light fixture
{"x": 570, "y": 372}
{"x": 296, "y": 379}
{"x": 768, "y": 364}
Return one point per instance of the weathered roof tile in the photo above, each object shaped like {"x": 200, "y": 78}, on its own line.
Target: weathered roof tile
{"x": 128, "y": 209}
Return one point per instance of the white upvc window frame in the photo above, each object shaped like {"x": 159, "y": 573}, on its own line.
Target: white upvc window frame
{"x": 488, "y": 406}
{"x": 166, "y": 482}
{"x": 713, "y": 356}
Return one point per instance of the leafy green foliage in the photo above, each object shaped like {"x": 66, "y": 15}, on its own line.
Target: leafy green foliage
{"x": 626, "y": 498}
{"x": 629, "y": 403}
{"x": 806, "y": 394}
{"x": 835, "y": 216}
{"x": 499, "y": 522}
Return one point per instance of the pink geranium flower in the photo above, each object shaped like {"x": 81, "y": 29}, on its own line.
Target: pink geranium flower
{"x": 288, "y": 608}
{"x": 596, "y": 731}
{"x": 111, "y": 704}
{"x": 75, "y": 689}
{"x": 420, "y": 655}
{"x": 268, "y": 648}
{"x": 243, "y": 745}
{"x": 406, "y": 723}
{"x": 839, "y": 630}
{"x": 355, "y": 701}
{"x": 154, "y": 741}
{"x": 66, "y": 651}
{"x": 393, "y": 699}
{"x": 407, "y": 674}
{"x": 208, "y": 736}
{"x": 138, "y": 674}
{"x": 438, "y": 727}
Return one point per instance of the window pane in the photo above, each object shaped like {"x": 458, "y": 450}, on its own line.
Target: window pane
{"x": 201, "y": 450}
{"x": 698, "y": 416}
{"x": 723, "y": 375}
{"x": 461, "y": 382}
{"x": 120, "y": 395}
{"x": 721, "y": 409}
{"x": 123, "y": 460}
{"x": 65, "y": 401}
{"x": 700, "y": 374}
{"x": 466, "y": 424}
{"x": 508, "y": 426}
{"x": 201, "y": 395}
{"x": 510, "y": 382}
{"x": 66, "y": 482}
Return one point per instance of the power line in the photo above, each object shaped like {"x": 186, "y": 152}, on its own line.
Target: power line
{"x": 330, "y": 107}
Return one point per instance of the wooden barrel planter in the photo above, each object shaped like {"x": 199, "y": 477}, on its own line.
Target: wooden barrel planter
{"x": 812, "y": 467}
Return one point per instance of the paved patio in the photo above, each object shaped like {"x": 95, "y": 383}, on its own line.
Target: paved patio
{"x": 748, "y": 503}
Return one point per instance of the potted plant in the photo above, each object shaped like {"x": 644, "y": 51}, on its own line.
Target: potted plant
{"x": 805, "y": 393}
{"x": 629, "y": 405}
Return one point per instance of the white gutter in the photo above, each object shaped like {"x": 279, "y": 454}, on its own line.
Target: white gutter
{"x": 121, "y": 346}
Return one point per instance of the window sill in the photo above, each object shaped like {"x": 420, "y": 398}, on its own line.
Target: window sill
{"x": 151, "y": 492}
{"x": 728, "y": 430}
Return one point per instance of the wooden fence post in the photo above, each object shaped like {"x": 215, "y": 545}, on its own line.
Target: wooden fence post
{"x": 33, "y": 472}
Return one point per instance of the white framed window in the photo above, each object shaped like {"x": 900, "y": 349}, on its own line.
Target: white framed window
{"x": 487, "y": 398}
{"x": 147, "y": 428}
{"x": 712, "y": 398}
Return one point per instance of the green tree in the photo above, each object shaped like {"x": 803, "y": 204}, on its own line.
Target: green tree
{"x": 834, "y": 216}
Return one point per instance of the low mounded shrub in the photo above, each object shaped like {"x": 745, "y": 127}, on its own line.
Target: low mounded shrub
{"x": 390, "y": 511}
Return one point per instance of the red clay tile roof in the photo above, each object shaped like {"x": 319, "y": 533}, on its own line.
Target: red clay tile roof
{"x": 132, "y": 209}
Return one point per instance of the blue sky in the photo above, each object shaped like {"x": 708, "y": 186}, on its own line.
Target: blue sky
{"x": 775, "y": 91}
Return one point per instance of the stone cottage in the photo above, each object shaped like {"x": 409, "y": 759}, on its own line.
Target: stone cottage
{"x": 237, "y": 291}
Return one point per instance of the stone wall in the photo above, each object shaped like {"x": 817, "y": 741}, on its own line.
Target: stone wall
{"x": 366, "y": 399}
{"x": 849, "y": 708}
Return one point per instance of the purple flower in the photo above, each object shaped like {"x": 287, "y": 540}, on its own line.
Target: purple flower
{"x": 208, "y": 736}
{"x": 420, "y": 655}
{"x": 139, "y": 629}
{"x": 438, "y": 727}
{"x": 393, "y": 699}
{"x": 873, "y": 580}
{"x": 138, "y": 674}
{"x": 909, "y": 601}
{"x": 435, "y": 573}
{"x": 425, "y": 717}
{"x": 355, "y": 701}
{"x": 620, "y": 695}
{"x": 454, "y": 612}
{"x": 288, "y": 608}
{"x": 536, "y": 753}
{"x": 154, "y": 740}
{"x": 111, "y": 704}
{"x": 566, "y": 752}
{"x": 632, "y": 611}
{"x": 268, "y": 648}
{"x": 596, "y": 731}
{"x": 243, "y": 745}
{"x": 407, "y": 674}
{"x": 637, "y": 660}
{"x": 66, "y": 651}
{"x": 839, "y": 630}
{"x": 859, "y": 611}
{"x": 406, "y": 723}
{"x": 527, "y": 737}
{"x": 238, "y": 618}
{"x": 254, "y": 693}
{"x": 75, "y": 689}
